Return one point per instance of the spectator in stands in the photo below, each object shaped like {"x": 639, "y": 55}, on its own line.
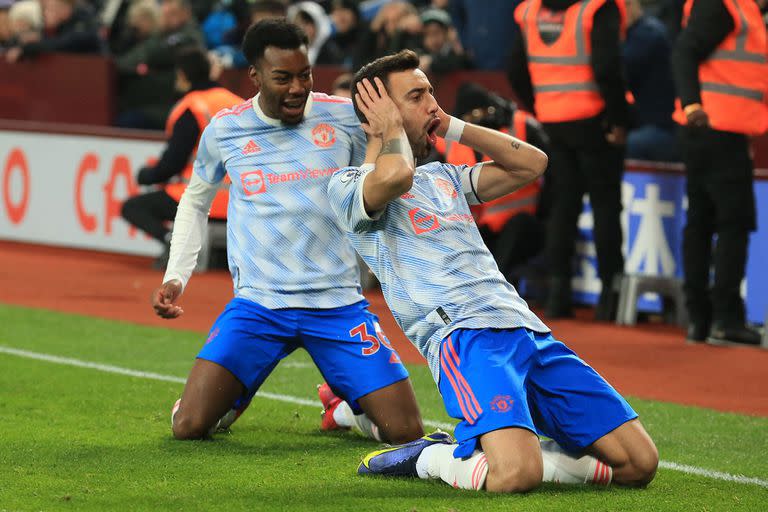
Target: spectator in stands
{"x": 68, "y": 27}
{"x": 26, "y": 18}
{"x": 139, "y": 21}
{"x": 201, "y": 9}
{"x": 220, "y": 21}
{"x": 317, "y": 25}
{"x": 486, "y": 30}
{"x": 229, "y": 53}
{"x": 582, "y": 105}
{"x": 342, "y": 85}
{"x": 202, "y": 99}
{"x": 6, "y": 34}
{"x": 722, "y": 83}
{"x": 433, "y": 4}
{"x": 143, "y": 21}
{"x": 349, "y": 31}
{"x": 146, "y": 76}
{"x": 441, "y": 48}
{"x": 179, "y": 26}
{"x": 396, "y": 26}
{"x": 647, "y": 50}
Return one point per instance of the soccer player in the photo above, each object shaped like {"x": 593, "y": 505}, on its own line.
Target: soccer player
{"x": 498, "y": 368}
{"x": 295, "y": 277}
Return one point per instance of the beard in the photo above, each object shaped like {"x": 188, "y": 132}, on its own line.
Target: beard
{"x": 421, "y": 151}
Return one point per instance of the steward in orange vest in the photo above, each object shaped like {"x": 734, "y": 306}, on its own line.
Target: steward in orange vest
{"x": 151, "y": 211}
{"x": 202, "y": 105}
{"x": 719, "y": 65}
{"x": 733, "y": 78}
{"x": 566, "y": 64}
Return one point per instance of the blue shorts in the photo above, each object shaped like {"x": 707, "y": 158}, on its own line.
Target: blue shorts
{"x": 346, "y": 343}
{"x": 498, "y": 378}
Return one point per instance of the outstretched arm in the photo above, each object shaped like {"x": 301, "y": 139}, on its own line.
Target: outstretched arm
{"x": 189, "y": 225}
{"x": 388, "y": 147}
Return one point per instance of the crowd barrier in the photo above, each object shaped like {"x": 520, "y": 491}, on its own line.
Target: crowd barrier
{"x": 64, "y": 186}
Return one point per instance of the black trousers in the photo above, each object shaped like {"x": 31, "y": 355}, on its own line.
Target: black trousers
{"x": 579, "y": 165}
{"x": 150, "y": 212}
{"x": 721, "y": 201}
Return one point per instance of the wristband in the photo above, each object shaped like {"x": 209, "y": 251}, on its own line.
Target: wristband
{"x": 693, "y": 107}
{"x": 455, "y": 129}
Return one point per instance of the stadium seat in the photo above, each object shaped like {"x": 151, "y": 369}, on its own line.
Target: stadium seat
{"x": 632, "y": 286}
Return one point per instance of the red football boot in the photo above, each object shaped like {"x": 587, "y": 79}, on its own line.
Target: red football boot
{"x": 330, "y": 401}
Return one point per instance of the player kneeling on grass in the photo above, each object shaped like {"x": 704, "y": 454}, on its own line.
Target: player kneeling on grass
{"x": 295, "y": 275}
{"x": 498, "y": 368}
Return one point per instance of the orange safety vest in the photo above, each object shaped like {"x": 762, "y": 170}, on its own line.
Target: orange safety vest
{"x": 203, "y": 105}
{"x": 734, "y": 78}
{"x": 563, "y": 80}
{"x": 495, "y": 214}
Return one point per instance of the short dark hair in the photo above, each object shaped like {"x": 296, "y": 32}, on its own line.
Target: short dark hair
{"x": 194, "y": 63}
{"x": 382, "y": 68}
{"x": 276, "y": 32}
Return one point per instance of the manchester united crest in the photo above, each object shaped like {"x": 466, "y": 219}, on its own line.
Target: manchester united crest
{"x": 323, "y": 135}
{"x": 446, "y": 187}
{"x": 502, "y": 403}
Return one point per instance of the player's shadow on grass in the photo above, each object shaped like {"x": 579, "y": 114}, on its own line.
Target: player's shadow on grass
{"x": 379, "y": 487}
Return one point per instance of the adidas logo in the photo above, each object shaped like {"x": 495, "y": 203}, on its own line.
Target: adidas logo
{"x": 250, "y": 148}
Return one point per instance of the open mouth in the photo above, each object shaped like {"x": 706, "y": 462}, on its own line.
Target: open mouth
{"x": 431, "y": 129}
{"x": 294, "y": 107}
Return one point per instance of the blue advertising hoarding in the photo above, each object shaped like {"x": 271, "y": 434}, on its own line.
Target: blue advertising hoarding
{"x": 653, "y": 219}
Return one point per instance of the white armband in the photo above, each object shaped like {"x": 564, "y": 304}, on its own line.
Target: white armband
{"x": 469, "y": 180}
{"x": 455, "y": 129}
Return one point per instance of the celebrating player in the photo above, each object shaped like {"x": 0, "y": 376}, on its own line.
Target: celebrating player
{"x": 295, "y": 278}
{"x": 498, "y": 368}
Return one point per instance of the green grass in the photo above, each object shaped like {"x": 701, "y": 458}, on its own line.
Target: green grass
{"x": 80, "y": 439}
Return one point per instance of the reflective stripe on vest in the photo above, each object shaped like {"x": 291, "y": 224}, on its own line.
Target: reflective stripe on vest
{"x": 740, "y": 54}
{"x": 581, "y": 57}
{"x": 732, "y": 90}
{"x": 734, "y": 78}
{"x": 579, "y": 86}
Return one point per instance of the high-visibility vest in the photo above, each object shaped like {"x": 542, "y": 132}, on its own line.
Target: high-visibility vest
{"x": 203, "y": 105}
{"x": 494, "y": 214}
{"x": 455, "y": 153}
{"x": 564, "y": 86}
{"x": 734, "y": 78}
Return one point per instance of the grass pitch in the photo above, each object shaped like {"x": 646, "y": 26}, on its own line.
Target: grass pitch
{"x": 79, "y": 438}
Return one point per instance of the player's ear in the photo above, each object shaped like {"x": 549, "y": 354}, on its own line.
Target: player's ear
{"x": 254, "y": 75}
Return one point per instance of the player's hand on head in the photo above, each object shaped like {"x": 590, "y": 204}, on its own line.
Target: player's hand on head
{"x": 164, "y": 299}
{"x": 445, "y": 119}
{"x": 379, "y": 109}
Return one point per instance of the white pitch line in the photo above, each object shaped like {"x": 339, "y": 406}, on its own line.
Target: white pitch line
{"x": 68, "y": 361}
{"x": 717, "y": 475}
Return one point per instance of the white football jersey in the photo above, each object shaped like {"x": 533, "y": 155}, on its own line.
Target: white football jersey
{"x": 436, "y": 273}
{"x": 284, "y": 243}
